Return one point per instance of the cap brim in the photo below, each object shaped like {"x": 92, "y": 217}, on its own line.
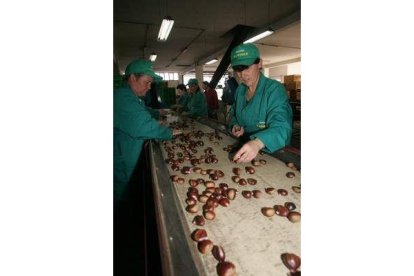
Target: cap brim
{"x": 151, "y": 74}
{"x": 247, "y": 62}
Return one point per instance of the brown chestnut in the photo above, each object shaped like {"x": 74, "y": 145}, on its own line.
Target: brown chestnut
{"x": 205, "y": 246}
{"x": 250, "y": 170}
{"x": 294, "y": 216}
{"x": 255, "y": 163}
{"x": 231, "y": 193}
{"x": 203, "y": 172}
{"x": 180, "y": 180}
{"x": 199, "y": 220}
{"x": 290, "y": 174}
{"x": 220, "y": 173}
{"x": 242, "y": 182}
{"x": 223, "y": 186}
{"x": 251, "y": 181}
{"x": 237, "y": 171}
{"x": 214, "y": 176}
{"x": 192, "y": 208}
{"x": 226, "y": 269}
{"x": 268, "y": 212}
{"x": 257, "y": 193}
{"x": 197, "y": 169}
{"x": 186, "y": 170}
{"x": 199, "y": 235}
{"x": 290, "y": 165}
{"x": 210, "y": 215}
{"x": 174, "y": 178}
{"x": 247, "y": 194}
{"x": 281, "y": 210}
{"x": 175, "y": 167}
{"x": 218, "y": 253}
{"x": 208, "y": 207}
{"x": 235, "y": 178}
{"x": 291, "y": 261}
{"x": 290, "y": 205}
{"x": 193, "y": 182}
{"x": 224, "y": 202}
{"x": 203, "y": 198}
{"x": 270, "y": 190}
{"x": 262, "y": 161}
{"x": 282, "y": 192}
{"x": 209, "y": 184}
{"x": 296, "y": 189}
{"x": 190, "y": 201}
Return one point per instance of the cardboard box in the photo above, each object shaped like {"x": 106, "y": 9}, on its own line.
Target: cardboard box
{"x": 291, "y": 78}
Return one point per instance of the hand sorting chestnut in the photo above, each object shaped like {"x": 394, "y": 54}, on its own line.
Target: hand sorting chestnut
{"x": 187, "y": 149}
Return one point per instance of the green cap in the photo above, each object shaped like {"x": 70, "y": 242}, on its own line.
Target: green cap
{"x": 141, "y": 66}
{"x": 192, "y": 82}
{"x": 244, "y": 54}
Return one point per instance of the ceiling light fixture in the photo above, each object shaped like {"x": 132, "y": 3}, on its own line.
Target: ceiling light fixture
{"x": 165, "y": 29}
{"x": 153, "y": 57}
{"x": 212, "y": 61}
{"x": 260, "y": 36}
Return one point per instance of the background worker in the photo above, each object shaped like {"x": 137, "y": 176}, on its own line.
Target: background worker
{"x": 182, "y": 97}
{"x": 211, "y": 99}
{"x": 197, "y": 105}
{"x": 261, "y": 115}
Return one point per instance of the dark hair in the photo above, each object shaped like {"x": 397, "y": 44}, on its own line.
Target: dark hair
{"x": 182, "y": 87}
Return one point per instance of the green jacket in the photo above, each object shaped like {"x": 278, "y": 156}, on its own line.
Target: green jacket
{"x": 133, "y": 124}
{"x": 197, "y": 105}
{"x": 267, "y": 116}
{"x": 183, "y": 100}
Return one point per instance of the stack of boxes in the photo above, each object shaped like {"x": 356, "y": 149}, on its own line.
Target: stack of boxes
{"x": 292, "y": 85}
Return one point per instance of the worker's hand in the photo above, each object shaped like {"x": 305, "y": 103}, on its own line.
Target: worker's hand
{"x": 248, "y": 152}
{"x": 237, "y": 131}
{"x": 177, "y": 131}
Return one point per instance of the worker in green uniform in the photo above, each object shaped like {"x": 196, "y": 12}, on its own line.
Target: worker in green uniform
{"x": 133, "y": 123}
{"x": 197, "y": 104}
{"x": 261, "y": 115}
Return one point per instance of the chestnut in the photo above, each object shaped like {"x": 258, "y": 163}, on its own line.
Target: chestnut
{"x": 203, "y": 198}
{"x": 290, "y": 174}
{"x": 205, "y": 246}
{"x": 214, "y": 176}
{"x": 281, "y": 210}
{"x": 174, "y": 178}
{"x": 223, "y": 186}
{"x": 290, "y": 205}
{"x": 294, "y": 216}
{"x": 296, "y": 189}
{"x": 209, "y": 184}
{"x": 199, "y": 235}
{"x": 220, "y": 173}
{"x": 242, "y": 182}
{"x": 200, "y": 181}
{"x": 255, "y": 163}
{"x": 257, "y": 193}
{"x": 199, "y": 220}
{"x": 175, "y": 167}
{"x": 193, "y": 182}
{"x": 218, "y": 253}
{"x": 226, "y": 269}
{"x": 270, "y": 190}
{"x": 282, "y": 192}
{"x": 190, "y": 201}
{"x": 210, "y": 171}
{"x": 224, "y": 202}
{"x": 247, "y": 194}
{"x": 192, "y": 208}
{"x": 251, "y": 181}
{"x": 237, "y": 171}
{"x": 210, "y": 189}
{"x": 185, "y": 170}
{"x": 250, "y": 170}
{"x": 235, "y": 178}
{"x": 291, "y": 261}
{"x": 231, "y": 193}
{"x": 268, "y": 212}
{"x": 208, "y": 207}
{"x": 203, "y": 172}
{"x": 197, "y": 169}
{"x": 262, "y": 161}
{"x": 210, "y": 215}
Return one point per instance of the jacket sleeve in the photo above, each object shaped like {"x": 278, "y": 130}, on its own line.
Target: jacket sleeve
{"x": 278, "y": 119}
{"x": 135, "y": 120}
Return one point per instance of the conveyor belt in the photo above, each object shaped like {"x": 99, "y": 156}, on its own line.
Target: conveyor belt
{"x": 251, "y": 241}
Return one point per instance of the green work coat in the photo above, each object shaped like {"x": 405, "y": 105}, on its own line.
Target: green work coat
{"x": 197, "y": 105}
{"x": 183, "y": 100}
{"x": 267, "y": 116}
{"x": 133, "y": 124}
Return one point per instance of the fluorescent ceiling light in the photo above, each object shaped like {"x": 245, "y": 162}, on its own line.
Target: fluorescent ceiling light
{"x": 212, "y": 61}
{"x": 153, "y": 57}
{"x": 166, "y": 26}
{"x": 260, "y": 36}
